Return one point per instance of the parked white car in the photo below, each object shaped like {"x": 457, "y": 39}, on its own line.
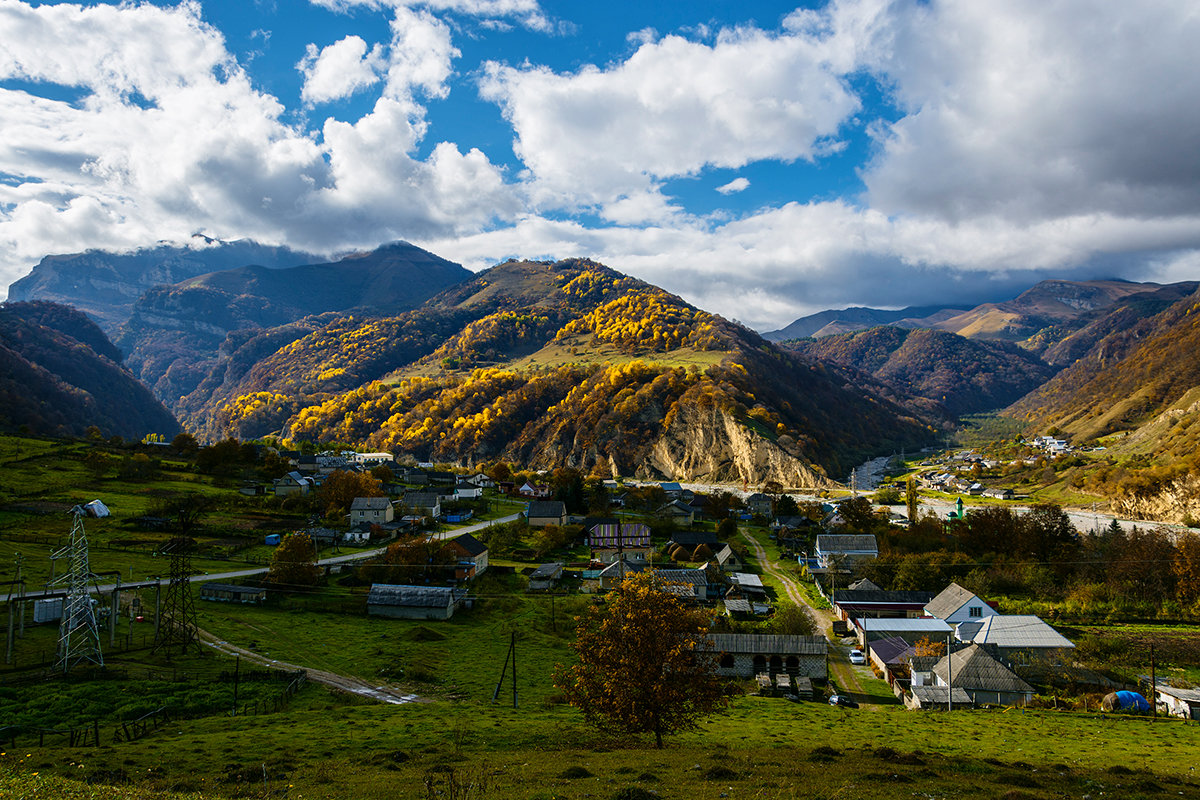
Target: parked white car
{"x": 857, "y": 657}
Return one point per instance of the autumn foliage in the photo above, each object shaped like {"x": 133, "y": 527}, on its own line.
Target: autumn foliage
{"x": 643, "y": 665}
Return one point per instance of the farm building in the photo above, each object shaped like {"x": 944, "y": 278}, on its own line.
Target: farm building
{"x": 231, "y": 593}
{"x": 546, "y": 512}
{"x": 546, "y": 577}
{"x": 744, "y": 655}
{"x": 412, "y": 602}
{"x": 933, "y": 698}
{"x": 984, "y": 678}
{"x": 1183, "y": 703}
{"x": 845, "y": 549}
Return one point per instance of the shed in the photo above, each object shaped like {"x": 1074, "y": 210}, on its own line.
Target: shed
{"x": 744, "y": 655}
{"x": 1183, "y": 703}
{"x": 412, "y": 602}
{"x": 232, "y": 593}
{"x": 546, "y": 576}
{"x": 933, "y": 698}
{"x": 546, "y": 512}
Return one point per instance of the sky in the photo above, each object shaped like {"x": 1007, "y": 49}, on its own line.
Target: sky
{"x": 764, "y": 160}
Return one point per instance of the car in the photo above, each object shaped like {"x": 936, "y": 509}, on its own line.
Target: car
{"x": 856, "y": 657}
{"x": 843, "y": 701}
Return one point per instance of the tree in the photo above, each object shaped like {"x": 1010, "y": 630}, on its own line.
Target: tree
{"x": 910, "y": 498}
{"x": 294, "y": 562}
{"x": 792, "y": 620}
{"x": 341, "y": 487}
{"x": 185, "y": 444}
{"x": 644, "y": 665}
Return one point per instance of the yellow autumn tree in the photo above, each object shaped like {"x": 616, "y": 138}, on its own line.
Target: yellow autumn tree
{"x": 644, "y": 663}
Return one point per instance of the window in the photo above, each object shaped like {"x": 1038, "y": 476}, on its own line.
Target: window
{"x": 975, "y": 611}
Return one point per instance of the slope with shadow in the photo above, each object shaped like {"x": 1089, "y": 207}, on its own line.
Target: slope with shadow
{"x": 1135, "y": 368}
{"x": 60, "y": 375}
{"x": 179, "y": 335}
{"x": 566, "y": 364}
{"x": 105, "y": 285}
{"x": 960, "y": 375}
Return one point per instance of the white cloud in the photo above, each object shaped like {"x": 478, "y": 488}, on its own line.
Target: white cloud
{"x": 734, "y": 186}
{"x": 169, "y": 136}
{"x": 526, "y": 12}
{"x": 339, "y": 70}
{"x": 672, "y": 108}
{"x": 1031, "y": 110}
{"x": 420, "y": 56}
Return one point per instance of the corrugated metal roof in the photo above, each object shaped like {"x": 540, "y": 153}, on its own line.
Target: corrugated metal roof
{"x": 747, "y": 580}
{"x": 924, "y": 626}
{"x": 971, "y": 668}
{"x": 846, "y": 543}
{"x": 769, "y": 644}
{"x": 933, "y": 695}
{"x": 385, "y": 594}
{"x": 1187, "y": 695}
{"x": 874, "y": 596}
{"x": 694, "y": 576}
{"x": 1019, "y": 630}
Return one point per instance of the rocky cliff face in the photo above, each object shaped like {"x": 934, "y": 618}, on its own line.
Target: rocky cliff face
{"x": 710, "y": 444}
{"x": 1177, "y": 501}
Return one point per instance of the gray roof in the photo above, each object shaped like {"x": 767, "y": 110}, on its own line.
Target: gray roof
{"x": 846, "y": 543}
{"x": 864, "y": 584}
{"x": 1019, "y": 630}
{"x": 934, "y": 695}
{"x": 949, "y": 600}
{"x": 898, "y": 626}
{"x": 547, "y": 571}
{"x": 922, "y": 663}
{"x": 1186, "y": 695}
{"x": 748, "y": 580}
{"x": 421, "y": 499}
{"x": 546, "y": 508}
{"x": 694, "y": 576}
{"x": 737, "y": 606}
{"x": 769, "y": 644}
{"x": 972, "y": 668}
{"x": 385, "y": 594}
{"x": 370, "y": 504}
{"x": 470, "y": 544}
{"x": 891, "y": 650}
{"x": 850, "y": 597}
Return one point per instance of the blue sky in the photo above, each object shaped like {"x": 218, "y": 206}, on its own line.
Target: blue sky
{"x": 763, "y": 160}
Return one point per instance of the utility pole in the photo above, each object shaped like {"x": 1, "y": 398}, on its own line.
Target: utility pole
{"x": 237, "y": 674}
{"x": 21, "y": 596}
{"x": 949, "y": 676}
{"x": 513, "y": 646}
{"x": 1153, "y": 688}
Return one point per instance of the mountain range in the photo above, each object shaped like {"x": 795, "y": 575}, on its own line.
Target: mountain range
{"x": 572, "y": 363}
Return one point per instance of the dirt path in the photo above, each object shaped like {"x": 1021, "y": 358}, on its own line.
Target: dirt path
{"x": 343, "y": 683}
{"x": 839, "y": 662}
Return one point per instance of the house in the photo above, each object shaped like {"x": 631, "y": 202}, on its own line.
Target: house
{"x": 982, "y": 677}
{"x": 911, "y": 630}
{"x": 688, "y": 584}
{"x": 426, "y": 504}
{"x": 482, "y": 481}
{"x": 545, "y": 577}
{"x": 465, "y": 490}
{"x": 371, "y": 511}
{"x": 879, "y": 603}
{"x": 933, "y": 698}
{"x": 541, "y": 513}
{"x": 760, "y": 505}
{"x": 678, "y": 511}
{"x": 373, "y": 459}
{"x": 412, "y": 602}
{"x": 728, "y": 560}
{"x": 845, "y": 549}
{"x": 1183, "y": 703}
{"x": 232, "y": 593}
{"x": 539, "y": 490}
{"x": 744, "y": 655}
{"x": 472, "y": 556}
{"x": 672, "y": 490}
{"x": 634, "y": 554}
{"x": 1021, "y": 638}
{"x": 292, "y": 483}
{"x": 747, "y": 584}
{"x": 954, "y": 604}
{"x": 889, "y": 654}
{"x": 998, "y": 494}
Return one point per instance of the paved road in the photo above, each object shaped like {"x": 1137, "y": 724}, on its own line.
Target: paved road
{"x": 207, "y": 577}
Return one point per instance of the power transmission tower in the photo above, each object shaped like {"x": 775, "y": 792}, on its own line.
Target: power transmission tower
{"x": 178, "y": 627}
{"x": 78, "y": 633}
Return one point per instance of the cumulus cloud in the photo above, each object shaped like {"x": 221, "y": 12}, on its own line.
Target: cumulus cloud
{"x": 672, "y": 108}
{"x": 169, "y": 136}
{"x": 734, "y": 186}
{"x": 421, "y": 55}
{"x": 339, "y": 70}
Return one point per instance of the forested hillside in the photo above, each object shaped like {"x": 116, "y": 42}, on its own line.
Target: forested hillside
{"x": 960, "y": 375}
{"x": 60, "y": 375}
{"x": 560, "y": 363}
